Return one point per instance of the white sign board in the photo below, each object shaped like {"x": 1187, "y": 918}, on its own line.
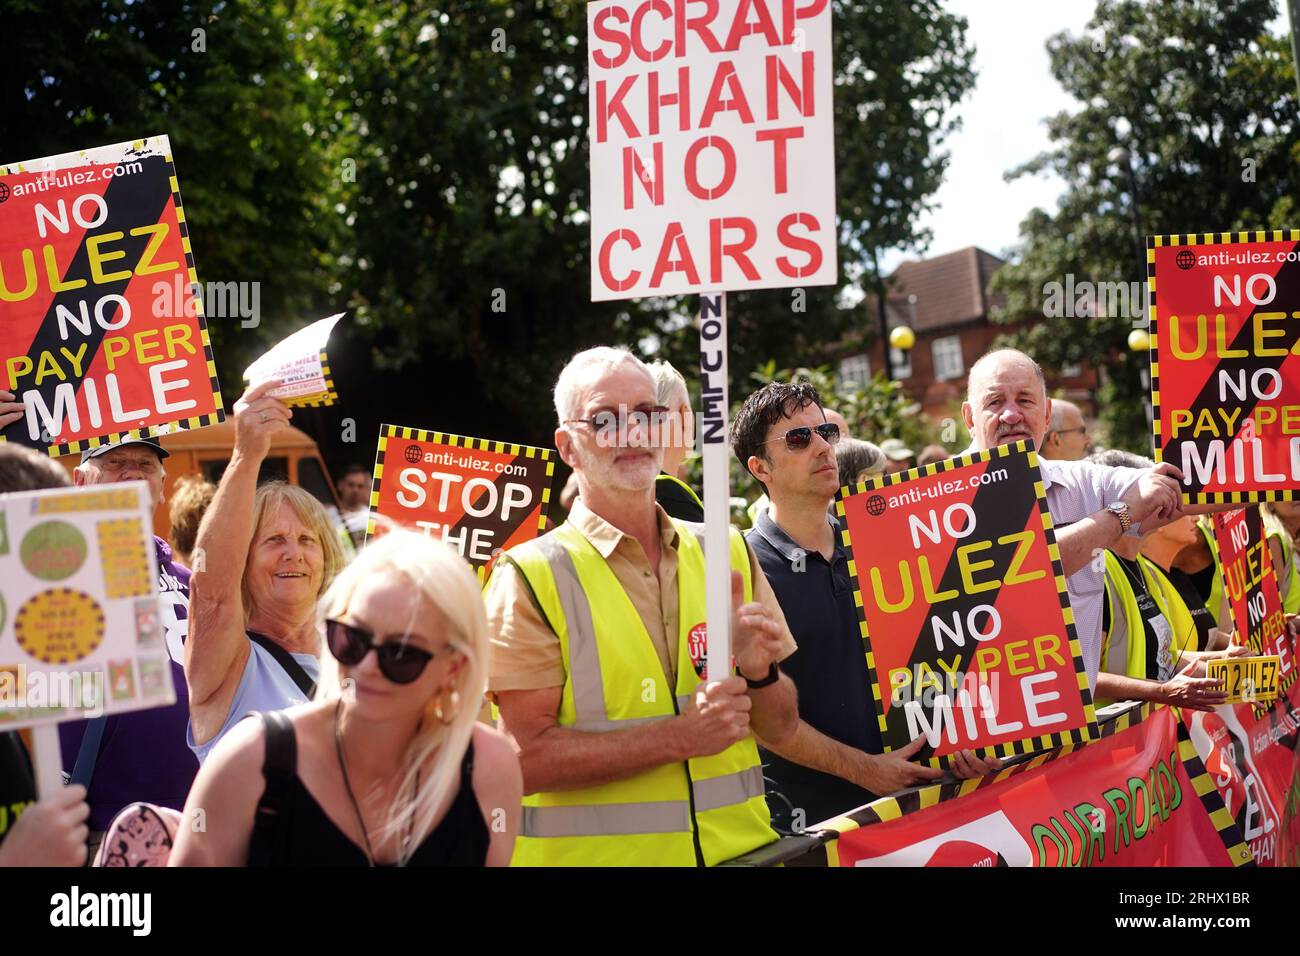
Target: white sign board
{"x": 80, "y": 627}
{"x": 712, "y": 146}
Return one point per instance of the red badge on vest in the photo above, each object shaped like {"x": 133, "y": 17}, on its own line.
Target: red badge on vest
{"x": 697, "y": 642}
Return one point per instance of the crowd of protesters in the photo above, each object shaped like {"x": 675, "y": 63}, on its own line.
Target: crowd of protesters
{"x": 604, "y": 745}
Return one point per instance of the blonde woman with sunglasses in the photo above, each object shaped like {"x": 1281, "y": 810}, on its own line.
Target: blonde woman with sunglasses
{"x": 387, "y": 765}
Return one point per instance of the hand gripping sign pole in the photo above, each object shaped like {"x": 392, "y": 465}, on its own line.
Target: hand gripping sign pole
{"x": 717, "y": 482}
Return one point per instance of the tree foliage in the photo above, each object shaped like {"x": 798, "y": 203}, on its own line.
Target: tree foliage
{"x": 1203, "y": 98}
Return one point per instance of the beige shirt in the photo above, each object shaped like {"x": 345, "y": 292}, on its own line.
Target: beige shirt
{"x": 526, "y": 653}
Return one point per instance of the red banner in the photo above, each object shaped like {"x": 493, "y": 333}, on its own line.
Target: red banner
{"x": 966, "y": 624}
{"x": 102, "y": 336}
{"x": 1225, "y": 371}
{"x": 482, "y": 496}
{"x": 1140, "y": 796}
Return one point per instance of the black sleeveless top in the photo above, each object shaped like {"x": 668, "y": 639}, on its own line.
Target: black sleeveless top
{"x": 292, "y": 829}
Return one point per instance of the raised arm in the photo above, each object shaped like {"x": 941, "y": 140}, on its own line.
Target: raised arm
{"x": 217, "y": 646}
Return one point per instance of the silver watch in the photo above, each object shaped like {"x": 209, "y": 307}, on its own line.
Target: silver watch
{"x": 1120, "y": 510}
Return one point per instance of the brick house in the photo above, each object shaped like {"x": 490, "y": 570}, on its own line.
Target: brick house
{"x": 946, "y": 302}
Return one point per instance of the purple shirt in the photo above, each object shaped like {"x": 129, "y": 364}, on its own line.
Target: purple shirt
{"x": 143, "y": 754}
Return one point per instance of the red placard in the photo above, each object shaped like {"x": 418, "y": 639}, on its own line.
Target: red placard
{"x": 102, "y": 336}
{"x": 1249, "y": 578}
{"x": 482, "y": 496}
{"x": 1138, "y": 797}
{"x": 1225, "y": 362}
{"x": 966, "y": 621}
{"x": 1251, "y": 755}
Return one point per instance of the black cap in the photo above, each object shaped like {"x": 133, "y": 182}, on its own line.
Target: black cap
{"x": 151, "y": 443}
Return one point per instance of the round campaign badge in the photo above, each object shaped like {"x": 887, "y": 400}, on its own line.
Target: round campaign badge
{"x": 697, "y": 642}
{"x": 59, "y": 626}
{"x": 53, "y": 550}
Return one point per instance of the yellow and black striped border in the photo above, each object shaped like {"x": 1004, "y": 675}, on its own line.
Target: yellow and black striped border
{"x": 162, "y": 429}
{"x": 1203, "y": 785}
{"x": 1079, "y": 735}
{"x": 318, "y": 399}
{"x": 1200, "y": 239}
{"x": 922, "y": 798}
{"x": 456, "y": 441}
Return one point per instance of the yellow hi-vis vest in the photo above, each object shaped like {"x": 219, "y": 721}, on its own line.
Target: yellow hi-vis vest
{"x": 1123, "y": 645}
{"x": 1173, "y": 607}
{"x": 1288, "y": 576}
{"x": 706, "y": 810}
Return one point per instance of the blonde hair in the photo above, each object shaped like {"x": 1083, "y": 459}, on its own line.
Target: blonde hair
{"x": 191, "y": 496}
{"x": 271, "y": 497}
{"x": 439, "y": 574}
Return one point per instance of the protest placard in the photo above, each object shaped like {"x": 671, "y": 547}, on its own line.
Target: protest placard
{"x": 300, "y": 362}
{"x": 712, "y": 153}
{"x": 1249, "y": 578}
{"x": 103, "y": 337}
{"x": 965, "y": 618}
{"x": 482, "y": 496}
{"x": 1225, "y": 377}
{"x": 81, "y": 629}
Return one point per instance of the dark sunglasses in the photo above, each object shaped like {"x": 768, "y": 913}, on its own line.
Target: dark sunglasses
{"x": 797, "y": 439}
{"x": 398, "y": 661}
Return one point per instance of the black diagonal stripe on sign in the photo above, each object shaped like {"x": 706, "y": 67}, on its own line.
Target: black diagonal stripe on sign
{"x": 500, "y": 528}
{"x": 1001, "y": 508}
{"x": 1288, "y": 277}
{"x": 133, "y": 200}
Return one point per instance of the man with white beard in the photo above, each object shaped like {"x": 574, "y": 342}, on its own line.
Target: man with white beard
{"x": 629, "y": 756}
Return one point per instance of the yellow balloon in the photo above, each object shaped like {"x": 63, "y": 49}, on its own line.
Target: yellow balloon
{"x": 1139, "y": 341}
{"x": 902, "y": 338}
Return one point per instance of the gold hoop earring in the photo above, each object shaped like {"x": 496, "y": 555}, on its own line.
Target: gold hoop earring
{"x": 446, "y": 714}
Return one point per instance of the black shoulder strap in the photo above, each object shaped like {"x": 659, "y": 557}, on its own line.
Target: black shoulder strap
{"x": 279, "y": 767}
{"x": 287, "y": 663}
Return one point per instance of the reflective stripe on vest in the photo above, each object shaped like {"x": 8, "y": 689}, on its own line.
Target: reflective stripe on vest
{"x": 615, "y": 680}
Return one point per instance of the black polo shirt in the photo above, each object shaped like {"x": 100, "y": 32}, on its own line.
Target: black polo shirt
{"x": 829, "y": 670}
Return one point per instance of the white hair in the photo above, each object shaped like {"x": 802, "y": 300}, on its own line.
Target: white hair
{"x": 436, "y": 571}
{"x": 578, "y": 373}
{"x": 1059, "y": 408}
{"x": 670, "y": 386}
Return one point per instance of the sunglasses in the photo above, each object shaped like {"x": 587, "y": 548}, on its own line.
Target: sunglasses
{"x": 797, "y": 439}
{"x": 398, "y": 661}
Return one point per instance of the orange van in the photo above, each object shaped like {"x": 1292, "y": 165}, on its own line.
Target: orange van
{"x": 294, "y": 457}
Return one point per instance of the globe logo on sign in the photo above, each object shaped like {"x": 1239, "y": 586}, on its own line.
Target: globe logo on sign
{"x": 875, "y": 506}
{"x": 4, "y": 192}
{"x": 412, "y": 453}
{"x": 1185, "y": 259}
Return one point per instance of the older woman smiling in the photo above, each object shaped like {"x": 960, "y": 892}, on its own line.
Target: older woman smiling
{"x": 262, "y": 558}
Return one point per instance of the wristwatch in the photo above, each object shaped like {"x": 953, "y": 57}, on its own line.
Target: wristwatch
{"x": 773, "y": 675}
{"x": 1120, "y": 510}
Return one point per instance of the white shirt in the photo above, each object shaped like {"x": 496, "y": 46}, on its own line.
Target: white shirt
{"x": 1075, "y": 490}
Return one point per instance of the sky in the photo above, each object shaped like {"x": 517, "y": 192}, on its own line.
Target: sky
{"x": 1003, "y": 124}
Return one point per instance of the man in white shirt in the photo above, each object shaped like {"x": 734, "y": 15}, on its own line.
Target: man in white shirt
{"x": 1092, "y": 505}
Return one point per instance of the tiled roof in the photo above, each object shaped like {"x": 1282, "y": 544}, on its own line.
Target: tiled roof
{"x": 949, "y": 289}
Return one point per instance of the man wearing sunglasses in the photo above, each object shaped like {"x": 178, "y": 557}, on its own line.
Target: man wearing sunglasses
{"x": 629, "y": 757}
{"x": 834, "y": 761}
